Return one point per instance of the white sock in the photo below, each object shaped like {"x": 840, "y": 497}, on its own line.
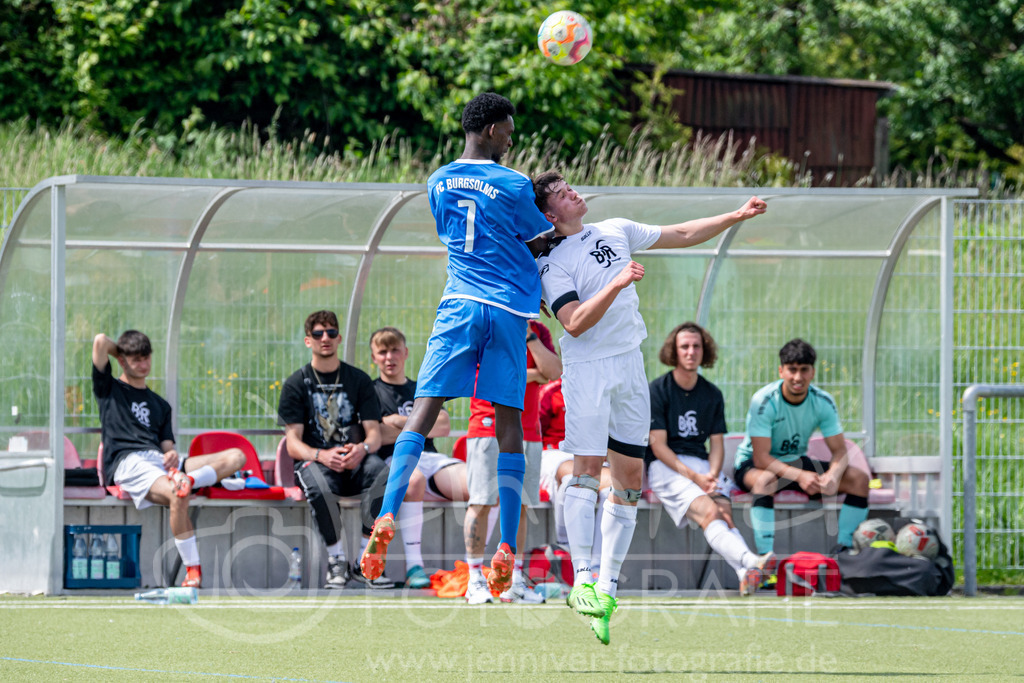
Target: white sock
{"x": 559, "y": 505}
{"x": 595, "y": 553}
{"x": 617, "y": 524}
{"x": 750, "y": 562}
{"x": 336, "y": 550}
{"x": 204, "y": 476}
{"x": 733, "y": 550}
{"x": 188, "y": 550}
{"x": 363, "y": 542}
{"x": 476, "y": 568}
{"x": 410, "y": 523}
{"x": 579, "y": 527}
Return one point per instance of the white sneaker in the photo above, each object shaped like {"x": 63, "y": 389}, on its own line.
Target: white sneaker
{"x": 477, "y": 592}
{"x": 519, "y": 593}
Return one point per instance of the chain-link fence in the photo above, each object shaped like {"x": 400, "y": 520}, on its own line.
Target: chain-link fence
{"x": 989, "y": 349}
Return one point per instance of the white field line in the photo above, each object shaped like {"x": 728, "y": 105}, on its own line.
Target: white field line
{"x": 303, "y": 604}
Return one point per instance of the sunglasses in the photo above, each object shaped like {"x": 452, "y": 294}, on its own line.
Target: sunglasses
{"x": 317, "y": 334}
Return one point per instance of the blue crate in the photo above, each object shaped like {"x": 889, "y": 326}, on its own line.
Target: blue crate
{"x": 131, "y": 574}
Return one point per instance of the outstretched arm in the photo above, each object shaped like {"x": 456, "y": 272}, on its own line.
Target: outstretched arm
{"x": 702, "y": 229}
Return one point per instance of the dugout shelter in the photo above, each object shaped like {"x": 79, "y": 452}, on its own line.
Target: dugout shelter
{"x": 221, "y": 275}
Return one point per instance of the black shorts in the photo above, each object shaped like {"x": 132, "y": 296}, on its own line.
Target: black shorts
{"x": 804, "y": 463}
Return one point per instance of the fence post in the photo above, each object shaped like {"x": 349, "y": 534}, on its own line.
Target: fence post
{"x": 969, "y": 408}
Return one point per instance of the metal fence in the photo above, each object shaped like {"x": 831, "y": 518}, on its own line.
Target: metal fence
{"x": 989, "y": 349}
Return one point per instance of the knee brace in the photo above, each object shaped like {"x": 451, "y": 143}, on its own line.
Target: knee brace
{"x": 629, "y": 495}
{"x": 585, "y": 481}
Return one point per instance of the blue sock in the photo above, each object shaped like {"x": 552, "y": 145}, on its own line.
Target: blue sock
{"x": 853, "y": 511}
{"x": 511, "y": 469}
{"x": 408, "y": 447}
{"x": 762, "y": 519}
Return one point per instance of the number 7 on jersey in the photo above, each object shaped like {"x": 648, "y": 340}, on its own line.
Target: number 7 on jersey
{"x": 470, "y": 207}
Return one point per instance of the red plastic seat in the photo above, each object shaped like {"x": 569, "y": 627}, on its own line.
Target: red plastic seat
{"x": 113, "y": 489}
{"x": 216, "y": 441}
{"x": 459, "y": 449}
{"x": 284, "y": 472}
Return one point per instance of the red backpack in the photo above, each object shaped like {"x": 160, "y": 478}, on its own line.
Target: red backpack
{"x": 807, "y": 573}
{"x": 548, "y": 563}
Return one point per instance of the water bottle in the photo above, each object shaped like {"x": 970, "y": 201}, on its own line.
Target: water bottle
{"x": 295, "y": 569}
{"x": 552, "y": 590}
{"x": 79, "y": 558}
{"x": 96, "y": 557}
{"x": 176, "y": 595}
{"x": 113, "y": 556}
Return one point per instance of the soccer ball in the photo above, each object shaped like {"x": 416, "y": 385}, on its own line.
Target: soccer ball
{"x": 565, "y": 38}
{"x": 917, "y": 540}
{"x": 871, "y": 530}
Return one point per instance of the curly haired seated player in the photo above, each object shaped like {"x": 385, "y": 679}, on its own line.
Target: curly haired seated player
{"x": 687, "y": 412}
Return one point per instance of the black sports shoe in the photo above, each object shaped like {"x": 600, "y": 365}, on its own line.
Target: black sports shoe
{"x": 379, "y": 583}
{"x": 337, "y": 572}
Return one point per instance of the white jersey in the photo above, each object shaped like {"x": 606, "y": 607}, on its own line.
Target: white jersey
{"x": 577, "y": 267}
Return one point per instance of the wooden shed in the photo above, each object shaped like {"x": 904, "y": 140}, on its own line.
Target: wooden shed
{"x": 828, "y": 126}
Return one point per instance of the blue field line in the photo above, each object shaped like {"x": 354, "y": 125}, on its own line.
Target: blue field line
{"x": 160, "y": 671}
{"x": 820, "y": 622}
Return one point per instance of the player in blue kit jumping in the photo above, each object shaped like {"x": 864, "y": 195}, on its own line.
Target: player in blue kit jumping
{"x": 485, "y": 215}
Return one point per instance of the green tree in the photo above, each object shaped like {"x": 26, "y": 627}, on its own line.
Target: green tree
{"x": 957, "y": 64}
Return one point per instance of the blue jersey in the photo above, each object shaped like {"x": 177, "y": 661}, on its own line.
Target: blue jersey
{"x": 485, "y": 214}
{"x": 789, "y": 426}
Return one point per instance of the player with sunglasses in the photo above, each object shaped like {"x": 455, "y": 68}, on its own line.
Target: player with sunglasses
{"x": 331, "y": 419}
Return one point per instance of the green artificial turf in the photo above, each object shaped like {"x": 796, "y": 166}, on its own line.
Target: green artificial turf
{"x": 371, "y": 639}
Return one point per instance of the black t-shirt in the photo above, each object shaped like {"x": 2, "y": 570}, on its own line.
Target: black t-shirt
{"x": 689, "y": 417}
{"x": 131, "y": 419}
{"x": 331, "y": 406}
{"x": 397, "y": 398}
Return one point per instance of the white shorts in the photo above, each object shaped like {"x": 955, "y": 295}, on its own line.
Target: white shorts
{"x": 137, "y": 473}
{"x": 607, "y": 399}
{"x": 482, "y": 464}
{"x": 429, "y": 465}
{"x": 676, "y": 491}
{"x": 550, "y": 460}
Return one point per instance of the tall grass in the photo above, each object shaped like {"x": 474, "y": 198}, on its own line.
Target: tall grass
{"x": 32, "y": 152}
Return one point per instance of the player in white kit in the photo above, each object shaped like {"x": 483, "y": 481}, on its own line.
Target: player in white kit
{"x": 587, "y": 275}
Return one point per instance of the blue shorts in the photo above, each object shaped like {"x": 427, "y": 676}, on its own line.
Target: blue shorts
{"x": 467, "y": 333}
